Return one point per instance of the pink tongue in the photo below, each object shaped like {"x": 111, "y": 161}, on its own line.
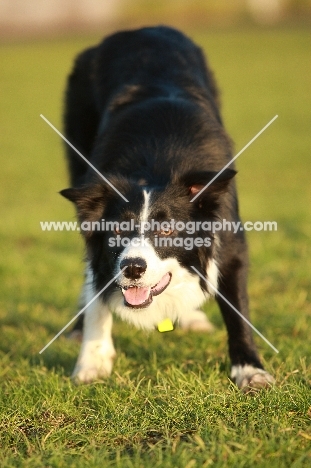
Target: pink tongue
{"x": 161, "y": 284}
{"x": 136, "y": 296}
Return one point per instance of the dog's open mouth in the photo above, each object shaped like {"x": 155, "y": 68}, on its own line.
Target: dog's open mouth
{"x": 142, "y": 297}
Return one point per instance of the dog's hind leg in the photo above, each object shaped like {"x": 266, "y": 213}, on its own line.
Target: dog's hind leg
{"x": 196, "y": 320}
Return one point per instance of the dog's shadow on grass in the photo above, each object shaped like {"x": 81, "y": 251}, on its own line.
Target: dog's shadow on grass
{"x": 152, "y": 356}
{"x": 60, "y": 356}
{"x": 138, "y": 349}
{"x": 157, "y": 351}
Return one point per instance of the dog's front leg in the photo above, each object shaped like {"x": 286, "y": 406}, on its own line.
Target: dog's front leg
{"x": 97, "y": 351}
{"x": 247, "y": 370}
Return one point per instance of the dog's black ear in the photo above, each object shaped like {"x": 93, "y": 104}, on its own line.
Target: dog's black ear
{"x": 89, "y": 200}
{"x": 72, "y": 194}
{"x": 196, "y": 181}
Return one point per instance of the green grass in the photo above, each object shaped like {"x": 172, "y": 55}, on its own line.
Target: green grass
{"x": 169, "y": 402}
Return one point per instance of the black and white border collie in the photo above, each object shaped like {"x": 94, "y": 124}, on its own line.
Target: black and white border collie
{"x": 143, "y": 108}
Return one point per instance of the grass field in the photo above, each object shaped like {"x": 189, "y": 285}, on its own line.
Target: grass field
{"x": 169, "y": 402}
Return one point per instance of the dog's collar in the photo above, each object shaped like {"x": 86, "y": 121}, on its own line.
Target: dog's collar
{"x": 166, "y": 325}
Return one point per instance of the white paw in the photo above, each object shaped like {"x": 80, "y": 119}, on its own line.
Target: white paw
{"x": 250, "y": 379}
{"x": 196, "y": 321}
{"x": 83, "y": 374}
{"x": 93, "y": 365}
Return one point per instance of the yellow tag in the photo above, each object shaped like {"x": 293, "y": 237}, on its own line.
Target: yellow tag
{"x": 165, "y": 325}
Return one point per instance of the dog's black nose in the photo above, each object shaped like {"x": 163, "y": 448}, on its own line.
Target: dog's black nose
{"x": 134, "y": 267}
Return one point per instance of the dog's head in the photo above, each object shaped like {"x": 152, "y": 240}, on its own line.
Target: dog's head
{"x": 153, "y": 236}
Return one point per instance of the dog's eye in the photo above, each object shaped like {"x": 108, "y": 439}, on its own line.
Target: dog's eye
{"x": 121, "y": 232}
{"x": 166, "y": 232}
